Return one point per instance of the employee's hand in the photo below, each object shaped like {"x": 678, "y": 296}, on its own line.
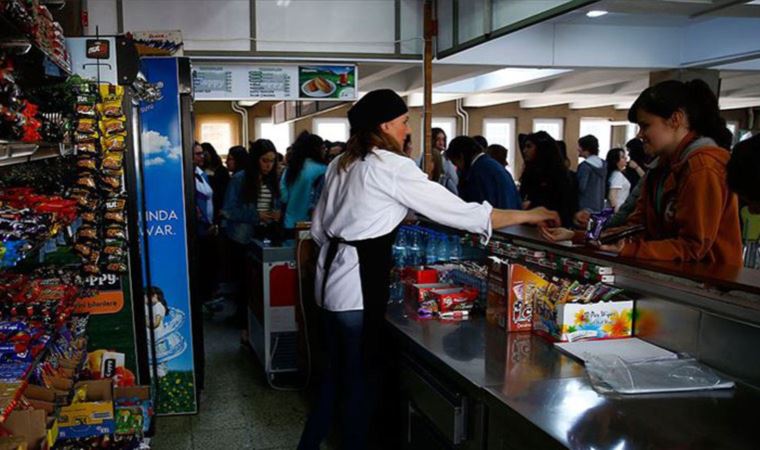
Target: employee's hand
{"x": 581, "y": 218}
{"x": 556, "y": 234}
{"x": 543, "y": 217}
{"x": 265, "y": 216}
{"x": 275, "y": 215}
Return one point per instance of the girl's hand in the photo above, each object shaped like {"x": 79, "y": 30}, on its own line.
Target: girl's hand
{"x": 615, "y": 248}
{"x": 556, "y": 234}
{"x": 581, "y": 218}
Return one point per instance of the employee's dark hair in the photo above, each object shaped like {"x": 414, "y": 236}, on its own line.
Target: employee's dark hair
{"x": 482, "y": 141}
{"x": 306, "y": 146}
{"x": 547, "y": 161}
{"x": 499, "y": 153}
{"x": 697, "y": 101}
{"x": 636, "y": 152}
{"x": 589, "y": 143}
{"x": 464, "y": 147}
{"x": 253, "y": 176}
{"x": 613, "y": 158}
{"x": 240, "y": 155}
{"x": 213, "y": 161}
{"x": 743, "y": 169}
{"x": 157, "y": 292}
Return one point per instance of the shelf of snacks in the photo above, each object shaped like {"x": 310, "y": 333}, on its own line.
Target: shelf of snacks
{"x": 30, "y": 21}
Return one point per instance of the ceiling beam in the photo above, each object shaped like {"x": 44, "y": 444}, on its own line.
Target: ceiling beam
{"x": 602, "y": 100}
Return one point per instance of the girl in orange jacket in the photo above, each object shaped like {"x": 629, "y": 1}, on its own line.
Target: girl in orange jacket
{"x": 688, "y": 210}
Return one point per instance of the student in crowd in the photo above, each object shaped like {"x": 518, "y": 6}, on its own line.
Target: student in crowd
{"x": 305, "y": 166}
{"x": 570, "y": 172}
{"x": 449, "y": 177}
{"x": 592, "y": 175}
{"x": 218, "y": 177}
{"x": 742, "y": 175}
{"x": 482, "y": 178}
{"x": 685, "y": 204}
{"x": 334, "y": 150}
{"x": 482, "y": 141}
{"x": 368, "y": 192}
{"x": 499, "y": 153}
{"x": 237, "y": 159}
{"x": 637, "y": 161}
{"x": 618, "y": 186}
{"x": 251, "y": 204}
{"x": 204, "y": 256}
{"x": 545, "y": 180}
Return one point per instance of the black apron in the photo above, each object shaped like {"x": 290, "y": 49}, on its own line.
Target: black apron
{"x": 375, "y": 263}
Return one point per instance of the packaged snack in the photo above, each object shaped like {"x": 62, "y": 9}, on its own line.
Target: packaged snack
{"x": 87, "y": 147}
{"x": 87, "y": 233}
{"x": 116, "y": 267}
{"x": 87, "y": 126}
{"x": 111, "y": 183}
{"x": 111, "y": 109}
{"x": 116, "y": 232}
{"x": 114, "y": 143}
{"x": 116, "y": 203}
{"x": 112, "y": 160}
{"x": 87, "y": 163}
{"x": 115, "y": 217}
{"x": 111, "y": 127}
{"x": 85, "y": 110}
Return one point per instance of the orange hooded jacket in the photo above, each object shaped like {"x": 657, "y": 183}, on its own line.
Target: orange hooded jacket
{"x": 687, "y": 208}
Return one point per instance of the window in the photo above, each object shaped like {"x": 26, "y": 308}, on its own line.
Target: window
{"x": 281, "y": 134}
{"x": 733, "y": 127}
{"x": 502, "y": 132}
{"x": 447, "y": 124}
{"x": 331, "y": 129}
{"x": 555, "y": 127}
{"x": 599, "y": 128}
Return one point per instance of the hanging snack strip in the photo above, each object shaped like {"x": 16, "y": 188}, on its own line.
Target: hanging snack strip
{"x": 113, "y": 144}
{"x": 87, "y": 141}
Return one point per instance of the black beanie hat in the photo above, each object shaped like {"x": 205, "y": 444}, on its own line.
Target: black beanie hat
{"x": 374, "y": 108}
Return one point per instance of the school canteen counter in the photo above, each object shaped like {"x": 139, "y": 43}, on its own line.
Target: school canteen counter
{"x": 471, "y": 385}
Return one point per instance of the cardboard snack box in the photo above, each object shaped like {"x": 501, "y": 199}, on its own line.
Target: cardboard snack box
{"x": 93, "y": 417}
{"x": 568, "y": 322}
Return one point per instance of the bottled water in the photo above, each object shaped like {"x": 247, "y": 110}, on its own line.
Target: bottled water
{"x": 442, "y": 248}
{"x": 455, "y": 248}
{"x": 399, "y": 249}
{"x": 431, "y": 251}
{"x": 414, "y": 251}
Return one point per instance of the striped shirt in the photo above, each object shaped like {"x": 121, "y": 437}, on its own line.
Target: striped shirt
{"x": 264, "y": 202}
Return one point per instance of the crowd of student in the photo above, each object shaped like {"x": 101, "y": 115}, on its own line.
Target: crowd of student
{"x": 672, "y": 178}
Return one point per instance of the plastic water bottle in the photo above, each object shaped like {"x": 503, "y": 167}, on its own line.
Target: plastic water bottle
{"x": 431, "y": 251}
{"x": 455, "y": 248}
{"x": 399, "y": 249}
{"x": 442, "y": 248}
{"x": 414, "y": 251}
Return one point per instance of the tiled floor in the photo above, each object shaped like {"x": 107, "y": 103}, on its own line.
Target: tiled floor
{"x": 238, "y": 408}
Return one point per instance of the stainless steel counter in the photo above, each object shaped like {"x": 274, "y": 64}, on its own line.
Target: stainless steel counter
{"x": 529, "y": 386}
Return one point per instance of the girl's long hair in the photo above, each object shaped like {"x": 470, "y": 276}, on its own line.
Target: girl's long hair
{"x": 306, "y": 146}
{"x": 697, "y": 101}
{"x": 253, "y": 176}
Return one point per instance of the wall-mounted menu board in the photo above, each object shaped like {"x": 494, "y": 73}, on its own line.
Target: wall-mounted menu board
{"x": 274, "y": 82}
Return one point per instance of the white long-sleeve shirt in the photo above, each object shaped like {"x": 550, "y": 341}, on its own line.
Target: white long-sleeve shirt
{"x": 369, "y": 200}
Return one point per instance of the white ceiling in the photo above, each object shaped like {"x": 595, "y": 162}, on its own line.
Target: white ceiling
{"x": 606, "y": 61}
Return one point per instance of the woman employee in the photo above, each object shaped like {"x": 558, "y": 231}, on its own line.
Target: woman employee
{"x": 685, "y": 204}
{"x": 368, "y": 192}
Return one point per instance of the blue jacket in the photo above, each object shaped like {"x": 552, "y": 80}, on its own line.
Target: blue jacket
{"x": 592, "y": 184}
{"x": 240, "y": 218}
{"x": 297, "y": 197}
{"x": 487, "y": 180}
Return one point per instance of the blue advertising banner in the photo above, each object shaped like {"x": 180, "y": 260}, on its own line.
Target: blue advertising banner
{"x": 168, "y": 296}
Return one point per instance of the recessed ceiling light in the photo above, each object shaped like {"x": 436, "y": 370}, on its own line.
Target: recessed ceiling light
{"x": 596, "y": 13}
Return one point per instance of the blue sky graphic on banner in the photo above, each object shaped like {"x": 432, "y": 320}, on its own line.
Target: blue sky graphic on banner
{"x": 161, "y": 146}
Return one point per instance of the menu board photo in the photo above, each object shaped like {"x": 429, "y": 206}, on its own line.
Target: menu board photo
{"x": 274, "y": 82}
{"x": 327, "y": 82}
